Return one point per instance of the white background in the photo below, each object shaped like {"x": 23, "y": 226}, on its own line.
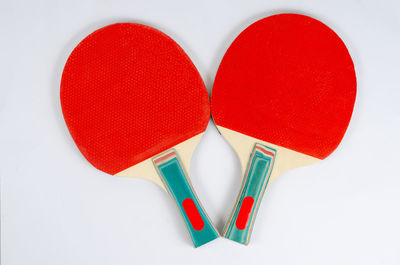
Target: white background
{"x": 57, "y": 209}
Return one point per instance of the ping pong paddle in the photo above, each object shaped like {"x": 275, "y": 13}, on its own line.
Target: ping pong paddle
{"x": 283, "y": 97}
{"x": 136, "y": 106}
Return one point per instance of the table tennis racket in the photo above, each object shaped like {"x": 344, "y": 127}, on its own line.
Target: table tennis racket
{"x": 283, "y": 97}
{"x": 136, "y": 106}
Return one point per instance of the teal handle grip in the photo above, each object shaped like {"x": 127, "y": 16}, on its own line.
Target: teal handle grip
{"x": 255, "y": 181}
{"x": 177, "y": 183}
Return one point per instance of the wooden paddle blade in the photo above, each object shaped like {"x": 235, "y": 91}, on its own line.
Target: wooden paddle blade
{"x": 288, "y": 80}
{"x": 129, "y": 92}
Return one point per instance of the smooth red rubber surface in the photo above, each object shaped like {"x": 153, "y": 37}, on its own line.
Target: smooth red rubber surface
{"x": 289, "y": 80}
{"x": 129, "y": 92}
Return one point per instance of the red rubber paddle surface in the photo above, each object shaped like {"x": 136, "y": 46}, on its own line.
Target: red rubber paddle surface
{"x": 129, "y": 92}
{"x": 288, "y": 80}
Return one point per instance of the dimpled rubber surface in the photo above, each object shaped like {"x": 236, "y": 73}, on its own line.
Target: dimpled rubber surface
{"x": 129, "y": 92}
{"x": 289, "y": 80}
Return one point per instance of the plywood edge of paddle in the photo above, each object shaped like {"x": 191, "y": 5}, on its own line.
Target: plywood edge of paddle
{"x": 146, "y": 169}
{"x": 285, "y": 159}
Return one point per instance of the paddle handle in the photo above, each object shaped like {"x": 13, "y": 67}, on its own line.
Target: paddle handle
{"x": 177, "y": 183}
{"x": 255, "y": 181}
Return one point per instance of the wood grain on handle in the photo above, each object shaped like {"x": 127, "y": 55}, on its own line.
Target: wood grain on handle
{"x": 255, "y": 181}
{"x": 177, "y": 183}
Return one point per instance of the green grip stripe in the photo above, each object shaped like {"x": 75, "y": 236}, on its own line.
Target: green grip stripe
{"x": 254, "y": 184}
{"x": 175, "y": 179}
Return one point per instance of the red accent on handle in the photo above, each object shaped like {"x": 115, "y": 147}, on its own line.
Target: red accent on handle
{"x": 193, "y": 214}
{"x": 244, "y": 213}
